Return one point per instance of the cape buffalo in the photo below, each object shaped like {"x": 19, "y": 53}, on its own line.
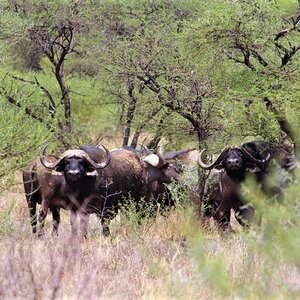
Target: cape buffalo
{"x": 234, "y": 164}
{"x": 35, "y": 175}
{"x": 44, "y": 184}
{"x": 89, "y": 180}
{"x": 158, "y": 195}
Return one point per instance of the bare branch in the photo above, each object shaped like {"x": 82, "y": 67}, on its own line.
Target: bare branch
{"x": 28, "y": 111}
{"x": 52, "y": 105}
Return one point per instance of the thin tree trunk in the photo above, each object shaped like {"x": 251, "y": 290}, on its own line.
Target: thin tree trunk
{"x": 65, "y": 96}
{"x": 135, "y": 139}
{"x": 199, "y": 193}
{"x": 283, "y": 123}
{"x": 130, "y": 113}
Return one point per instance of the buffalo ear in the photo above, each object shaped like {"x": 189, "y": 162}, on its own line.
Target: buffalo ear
{"x": 90, "y": 170}
{"x": 165, "y": 165}
{"x": 252, "y": 168}
{"x": 92, "y": 173}
{"x": 219, "y": 166}
{"x": 56, "y": 173}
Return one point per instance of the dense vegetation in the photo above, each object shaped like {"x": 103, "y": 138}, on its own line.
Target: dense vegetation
{"x": 180, "y": 73}
{"x": 176, "y": 70}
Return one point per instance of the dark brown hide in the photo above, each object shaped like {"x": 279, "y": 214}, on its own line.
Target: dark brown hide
{"x": 235, "y": 164}
{"x": 159, "y": 198}
{"x": 224, "y": 196}
{"x": 158, "y": 193}
{"x": 126, "y": 177}
{"x": 158, "y": 176}
{"x": 40, "y": 184}
{"x": 103, "y": 194}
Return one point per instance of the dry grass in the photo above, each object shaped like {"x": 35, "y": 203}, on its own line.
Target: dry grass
{"x": 172, "y": 257}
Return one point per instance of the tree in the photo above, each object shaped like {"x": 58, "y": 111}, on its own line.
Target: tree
{"x": 147, "y": 67}
{"x": 20, "y": 138}
{"x": 261, "y": 42}
{"x": 51, "y": 28}
{"x": 145, "y": 58}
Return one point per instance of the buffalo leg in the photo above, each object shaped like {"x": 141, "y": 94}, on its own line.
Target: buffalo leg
{"x": 74, "y": 222}
{"x": 105, "y": 218}
{"x": 56, "y": 220}
{"x": 222, "y": 218}
{"x": 32, "y": 214}
{"x": 41, "y": 219}
{"x": 83, "y": 222}
{"x": 106, "y": 214}
{"x": 105, "y": 227}
{"x": 244, "y": 215}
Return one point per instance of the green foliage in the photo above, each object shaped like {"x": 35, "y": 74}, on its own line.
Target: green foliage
{"x": 21, "y": 139}
{"x": 261, "y": 262}
{"x": 212, "y": 269}
{"x": 121, "y": 42}
{"x": 212, "y": 73}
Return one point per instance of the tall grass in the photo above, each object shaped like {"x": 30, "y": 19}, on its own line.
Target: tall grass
{"x": 174, "y": 256}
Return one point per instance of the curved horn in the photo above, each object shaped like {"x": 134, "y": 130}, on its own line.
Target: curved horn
{"x": 145, "y": 150}
{"x": 47, "y": 164}
{"x": 160, "y": 155}
{"x": 173, "y": 154}
{"x": 80, "y": 153}
{"x": 212, "y": 165}
{"x": 258, "y": 162}
{"x": 101, "y": 165}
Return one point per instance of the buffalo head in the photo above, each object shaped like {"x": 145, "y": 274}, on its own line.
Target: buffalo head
{"x": 160, "y": 170}
{"x": 235, "y": 161}
{"x": 74, "y": 164}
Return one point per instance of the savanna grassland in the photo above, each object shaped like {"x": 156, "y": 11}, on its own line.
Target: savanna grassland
{"x": 180, "y": 74}
{"x": 175, "y": 256}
